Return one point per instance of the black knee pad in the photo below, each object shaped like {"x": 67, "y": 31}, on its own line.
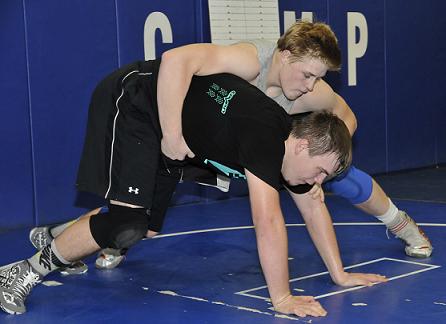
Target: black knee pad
{"x": 120, "y": 228}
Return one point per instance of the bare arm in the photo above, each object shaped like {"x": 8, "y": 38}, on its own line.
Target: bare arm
{"x": 320, "y": 227}
{"x": 177, "y": 68}
{"x": 321, "y": 230}
{"x": 271, "y": 236}
{"x": 324, "y": 98}
{"x": 272, "y": 245}
{"x": 344, "y": 112}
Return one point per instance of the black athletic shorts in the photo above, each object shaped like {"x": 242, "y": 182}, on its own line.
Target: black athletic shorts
{"x": 122, "y": 152}
{"x": 168, "y": 175}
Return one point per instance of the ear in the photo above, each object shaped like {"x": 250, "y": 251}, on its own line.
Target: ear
{"x": 301, "y": 145}
{"x": 284, "y": 56}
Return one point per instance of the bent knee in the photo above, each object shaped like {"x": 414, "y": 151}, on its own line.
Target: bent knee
{"x": 356, "y": 186}
{"x": 120, "y": 227}
{"x": 126, "y": 236}
{"x": 151, "y": 234}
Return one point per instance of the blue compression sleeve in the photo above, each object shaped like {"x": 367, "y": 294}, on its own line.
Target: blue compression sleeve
{"x": 354, "y": 185}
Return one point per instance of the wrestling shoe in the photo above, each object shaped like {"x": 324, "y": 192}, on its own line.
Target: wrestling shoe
{"x": 110, "y": 258}
{"x": 76, "y": 268}
{"x": 417, "y": 243}
{"x": 40, "y": 237}
{"x": 16, "y": 282}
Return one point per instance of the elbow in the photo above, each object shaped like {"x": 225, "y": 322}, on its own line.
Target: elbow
{"x": 174, "y": 60}
{"x": 353, "y": 126}
{"x": 264, "y": 222}
{"x": 351, "y": 122}
{"x": 177, "y": 62}
{"x": 168, "y": 57}
{"x": 261, "y": 218}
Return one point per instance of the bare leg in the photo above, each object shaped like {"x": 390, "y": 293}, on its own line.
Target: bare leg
{"x": 76, "y": 241}
{"x": 377, "y": 204}
{"x": 91, "y": 212}
{"x": 151, "y": 234}
{"x": 56, "y": 230}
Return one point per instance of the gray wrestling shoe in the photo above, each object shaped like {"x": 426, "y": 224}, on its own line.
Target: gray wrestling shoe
{"x": 76, "y": 268}
{"x": 417, "y": 243}
{"x": 110, "y": 258}
{"x": 40, "y": 237}
{"x": 16, "y": 282}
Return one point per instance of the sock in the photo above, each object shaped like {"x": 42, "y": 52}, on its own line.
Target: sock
{"x": 56, "y": 230}
{"x": 393, "y": 220}
{"x": 47, "y": 260}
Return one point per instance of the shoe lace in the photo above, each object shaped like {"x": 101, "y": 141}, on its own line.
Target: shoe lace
{"x": 25, "y": 283}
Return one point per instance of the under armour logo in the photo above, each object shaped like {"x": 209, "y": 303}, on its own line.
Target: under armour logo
{"x": 135, "y": 191}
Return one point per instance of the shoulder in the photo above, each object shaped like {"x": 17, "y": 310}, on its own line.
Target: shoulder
{"x": 239, "y": 59}
{"x": 204, "y": 59}
{"x": 262, "y": 154}
{"x": 262, "y": 46}
{"x": 261, "y": 136}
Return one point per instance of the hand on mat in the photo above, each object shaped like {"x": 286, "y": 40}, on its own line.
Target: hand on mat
{"x": 359, "y": 279}
{"x": 175, "y": 148}
{"x": 300, "y": 306}
{"x": 317, "y": 192}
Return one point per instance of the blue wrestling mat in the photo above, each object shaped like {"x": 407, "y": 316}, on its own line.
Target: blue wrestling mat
{"x": 205, "y": 269}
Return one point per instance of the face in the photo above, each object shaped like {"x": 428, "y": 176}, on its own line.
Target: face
{"x": 299, "y": 77}
{"x": 299, "y": 167}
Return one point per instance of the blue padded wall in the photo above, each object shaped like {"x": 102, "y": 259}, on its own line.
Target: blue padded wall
{"x": 369, "y": 151}
{"x": 319, "y": 9}
{"x": 415, "y": 60}
{"x": 56, "y": 51}
{"x": 72, "y": 45}
{"x": 367, "y": 97}
{"x": 16, "y": 177}
{"x": 184, "y": 23}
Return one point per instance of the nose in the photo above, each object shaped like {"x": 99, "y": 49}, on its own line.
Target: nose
{"x": 310, "y": 84}
{"x": 320, "y": 178}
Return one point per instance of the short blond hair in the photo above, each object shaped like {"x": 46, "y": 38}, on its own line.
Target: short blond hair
{"x": 314, "y": 40}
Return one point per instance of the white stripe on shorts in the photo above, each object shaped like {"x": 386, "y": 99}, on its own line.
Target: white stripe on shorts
{"x": 114, "y": 127}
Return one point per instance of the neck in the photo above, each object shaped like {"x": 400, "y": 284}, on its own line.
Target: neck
{"x": 289, "y": 150}
{"x": 273, "y": 87}
{"x": 290, "y": 142}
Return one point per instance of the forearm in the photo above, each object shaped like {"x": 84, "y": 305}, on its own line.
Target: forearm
{"x": 272, "y": 246}
{"x": 351, "y": 123}
{"x": 320, "y": 227}
{"x": 343, "y": 111}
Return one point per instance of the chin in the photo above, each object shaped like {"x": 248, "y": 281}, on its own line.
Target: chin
{"x": 292, "y": 95}
{"x": 295, "y": 183}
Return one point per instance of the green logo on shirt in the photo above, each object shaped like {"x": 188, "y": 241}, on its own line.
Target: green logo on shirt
{"x": 221, "y": 96}
{"x": 226, "y": 170}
